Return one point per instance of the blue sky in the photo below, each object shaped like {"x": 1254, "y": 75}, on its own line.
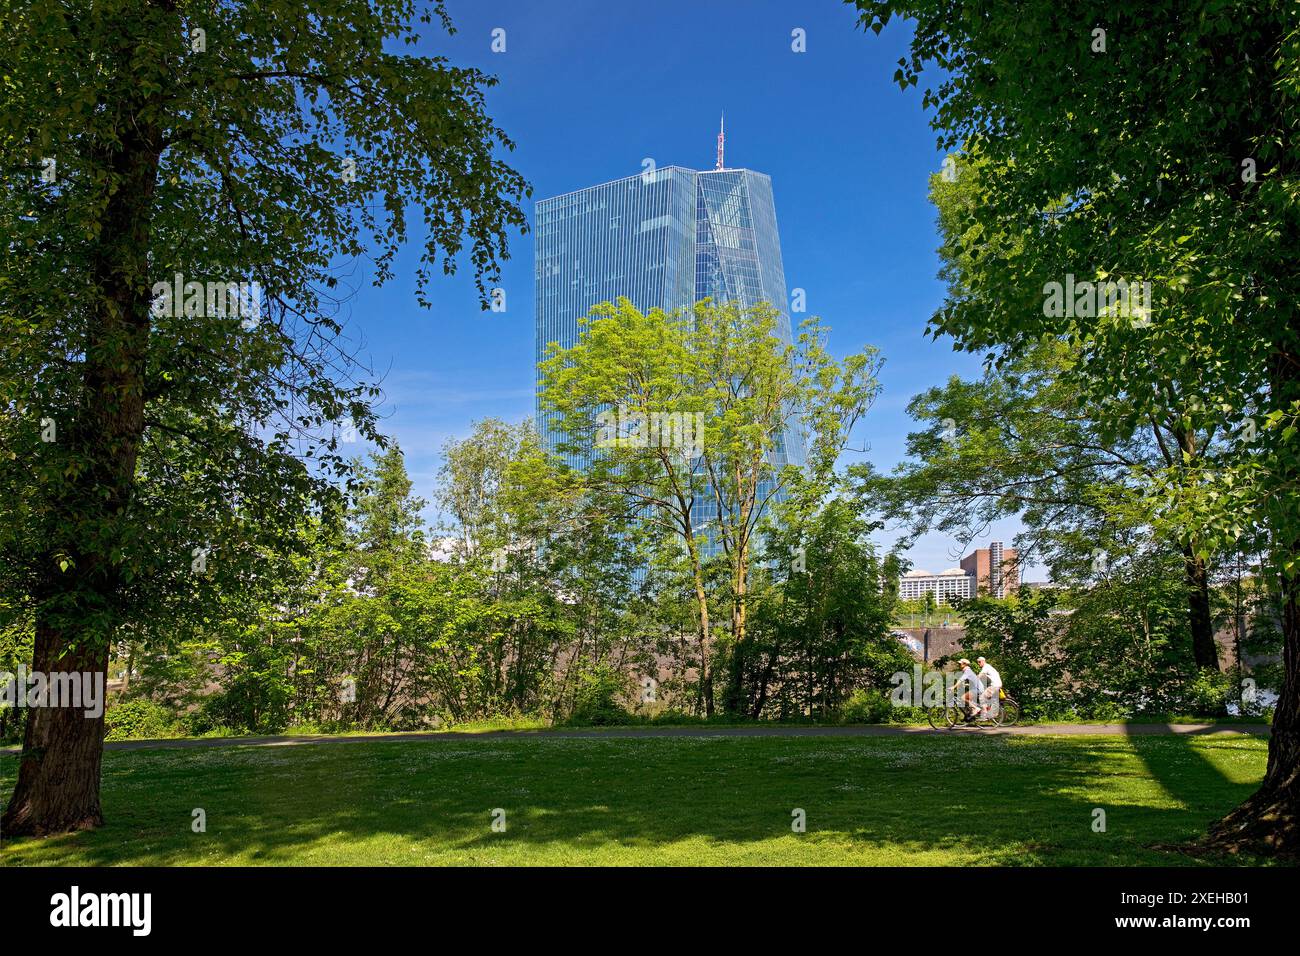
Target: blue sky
{"x": 588, "y": 90}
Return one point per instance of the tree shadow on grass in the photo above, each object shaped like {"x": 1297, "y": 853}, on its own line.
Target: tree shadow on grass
{"x": 1216, "y": 769}
{"x": 951, "y": 799}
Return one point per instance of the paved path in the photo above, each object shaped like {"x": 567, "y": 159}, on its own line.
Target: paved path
{"x": 875, "y": 730}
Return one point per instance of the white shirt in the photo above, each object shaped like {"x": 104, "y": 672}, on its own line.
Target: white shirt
{"x": 989, "y": 673}
{"x": 971, "y": 678}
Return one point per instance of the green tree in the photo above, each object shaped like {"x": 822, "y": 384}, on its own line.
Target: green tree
{"x": 389, "y": 529}
{"x": 677, "y": 411}
{"x": 823, "y": 629}
{"x": 1022, "y": 441}
{"x": 1107, "y": 174}
{"x": 627, "y": 369}
{"x": 928, "y": 605}
{"x": 472, "y": 483}
{"x": 260, "y": 142}
{"x": 1025, "y": 440}
{"x": 1018, "y": 637}
{"x": 15, "y": 649}
{"x": 1125, "y": 640}
{"x": 560, "y": 598}
{"x": 361, "y": 621}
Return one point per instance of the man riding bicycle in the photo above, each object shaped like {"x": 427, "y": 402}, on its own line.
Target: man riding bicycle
{"x": 974, "y": 689}
{"x": 991, "y": 697}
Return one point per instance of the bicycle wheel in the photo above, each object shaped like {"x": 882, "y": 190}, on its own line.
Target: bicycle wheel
{"x": 937, "y": 717}
{"x": 1010, "y": 712}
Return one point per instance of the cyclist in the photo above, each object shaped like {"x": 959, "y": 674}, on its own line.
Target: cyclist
{"x": 974, "y": 689}
{"x": 992, "y": 680}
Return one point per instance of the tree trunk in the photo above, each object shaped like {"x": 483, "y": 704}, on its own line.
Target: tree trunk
{"x": 765, "y": 679}
{"x": 58, "y": 773}
{"x": 705, "y": 695}
{"x": 1269, "y": 822}
{"x": 737, "y": 697}
{"x": 79, "y": 599}
{"x": 1204, "y": 650}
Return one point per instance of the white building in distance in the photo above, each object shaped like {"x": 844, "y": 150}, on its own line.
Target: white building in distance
{"x": 944, "y": 586}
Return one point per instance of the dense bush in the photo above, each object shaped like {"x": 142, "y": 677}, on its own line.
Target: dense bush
{"x": 600, "y": 696}
{"x": 1207, "y": 693}
{"x": 821, "y": 627}
{"x": 12, "y": 725}
{"x": 140, "y": 719}
{"x": 876, "y": 707}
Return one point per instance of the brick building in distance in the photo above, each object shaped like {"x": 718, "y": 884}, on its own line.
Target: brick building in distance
{"x": 994, "y": 568}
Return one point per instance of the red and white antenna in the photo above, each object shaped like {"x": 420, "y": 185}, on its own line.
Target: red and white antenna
{"x": 721, "y": 139}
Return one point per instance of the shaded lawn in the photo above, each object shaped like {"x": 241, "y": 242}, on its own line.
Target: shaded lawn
{"x": 917, "y": 800}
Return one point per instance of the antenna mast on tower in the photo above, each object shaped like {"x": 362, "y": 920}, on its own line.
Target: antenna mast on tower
{"x": 721, "y": 139}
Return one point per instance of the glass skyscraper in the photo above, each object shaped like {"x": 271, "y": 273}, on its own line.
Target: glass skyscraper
{"x": 664, "y": 238}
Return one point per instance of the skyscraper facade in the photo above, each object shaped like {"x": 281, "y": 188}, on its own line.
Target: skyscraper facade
{"x": 664, "y": 238}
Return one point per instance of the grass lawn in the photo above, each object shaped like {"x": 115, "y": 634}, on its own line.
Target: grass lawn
{"x": 916, "y": 800}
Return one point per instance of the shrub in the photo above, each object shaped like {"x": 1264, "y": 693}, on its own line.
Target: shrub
{"x": 140, "y": 719}
{"x": 599, "y": 699}
{"x": 1103, "y": 710}
{"x": 308, "y": 728}
{"x": 1207, "y": 693}
{"x": 216, "y": 732}
{"x": 238, "y": 711}
{"x": 12, "y": 724}
{"x": 670, "y": 717}
{"x": 875, "y": 707}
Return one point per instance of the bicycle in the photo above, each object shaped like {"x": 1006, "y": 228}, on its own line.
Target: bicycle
{"x": 940, "y": 719}
{"x": 950, "y": 716}
{"x": 1010, "y": 709}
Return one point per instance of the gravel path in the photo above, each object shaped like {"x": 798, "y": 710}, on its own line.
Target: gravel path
{"x": 875, "y": 730}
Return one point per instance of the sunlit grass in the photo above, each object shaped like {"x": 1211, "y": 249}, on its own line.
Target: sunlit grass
{"x": 915, "y": 800}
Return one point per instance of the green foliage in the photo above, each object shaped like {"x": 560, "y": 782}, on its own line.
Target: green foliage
{"x": 162, "y": 441}
{"x": 1019, "y": 637}
{"x": 600, "y": 699}
{"x": 370, "y": 627}
{"x": 222, "y": 165}
{"x": 1207, "y": 693}
{"x": 1097, "y": 170}
{"x": 1126, "y": 639}
{"x": 139, "y": 718}
{"x": 741, "y": 389}
{"x": 823, "y": 629}
{"x": 873, "y": 706}
{"x": 1028, "y": 440}
{"x": 15, "y": 649}
{"x": 256, "y": 693}
{"x": 1119, "y": 650}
